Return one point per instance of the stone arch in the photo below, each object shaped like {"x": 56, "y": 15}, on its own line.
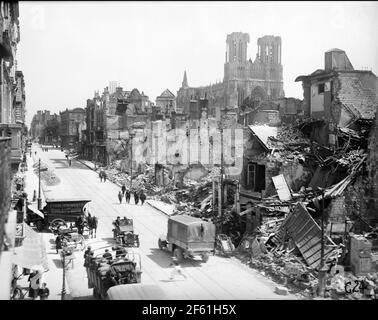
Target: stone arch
{"x": 258, "y": 93}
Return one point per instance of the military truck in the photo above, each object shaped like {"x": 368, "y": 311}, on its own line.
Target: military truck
{"x": 189, "y": 237}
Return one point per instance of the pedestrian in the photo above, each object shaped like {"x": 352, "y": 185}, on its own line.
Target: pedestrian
{"x": 142, "y": 197}
{"x": 100, "y": 175}
{"x": 104, "y": 175}
{"x": 123, "y": 189}
{"x": 136, "y": 197}
{"x": 69, "y": 161}
{"x": 58, "y": 243}
{"x": 87, "y": 252}
{"x": 176, "y": 269}
{"x": 80, "y": 225}
{"x": 120, "y": 197}
{"x": 128, "y": 196}
{"x": 44, "y": 292}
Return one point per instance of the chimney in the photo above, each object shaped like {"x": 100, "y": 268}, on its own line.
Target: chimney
{"x": 336, "y": 59}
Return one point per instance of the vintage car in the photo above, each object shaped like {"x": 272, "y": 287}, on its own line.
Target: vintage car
{"x": 189, "y": 237}
{"x": 123, "y": 233}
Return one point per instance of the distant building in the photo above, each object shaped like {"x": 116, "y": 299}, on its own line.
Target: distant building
{"x": 69, "y": 126}
{"x": 166, "y": 102}
{"x": 41, "y": 120}
{"x": 243, "y": 78}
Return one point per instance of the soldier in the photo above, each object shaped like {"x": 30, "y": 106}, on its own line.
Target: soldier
{"x": 176, "y": 269}
{"x": 127, "y": 196}
{"x": 142, "y": 197}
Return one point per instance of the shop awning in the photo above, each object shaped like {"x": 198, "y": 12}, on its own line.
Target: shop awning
{"x": 36, "y": 211}
{"x": 32, "y": 254}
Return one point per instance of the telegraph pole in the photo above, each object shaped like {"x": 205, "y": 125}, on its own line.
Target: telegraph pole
{"x": 221, "y": 200}
{"x": 323, "y": 269}
{"x": 131, "y": 160}
{"x": 39, "y": 185}
{"x": 64, "y": 275}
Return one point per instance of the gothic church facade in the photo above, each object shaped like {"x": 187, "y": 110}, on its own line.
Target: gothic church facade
{"x": 260, "y": 79}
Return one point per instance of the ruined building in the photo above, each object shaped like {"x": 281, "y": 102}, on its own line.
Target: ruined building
{"x": 243, "y": 78}
{"x": 338, "y": 96}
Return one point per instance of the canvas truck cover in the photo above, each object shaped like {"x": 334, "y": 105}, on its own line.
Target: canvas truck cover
{"x": 190, "y": 229}
{"x": 136, "y": 291}
{"x": 65, "y": 208}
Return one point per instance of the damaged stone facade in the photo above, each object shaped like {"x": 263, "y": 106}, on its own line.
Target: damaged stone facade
{"x": 242, "y": 77}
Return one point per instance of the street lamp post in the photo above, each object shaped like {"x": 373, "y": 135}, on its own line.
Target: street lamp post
{"x": 132, "y": 134}
{"x": 323, "y": 269}
{"x": 221, "y": 196}
{"x": 64, "y": 275}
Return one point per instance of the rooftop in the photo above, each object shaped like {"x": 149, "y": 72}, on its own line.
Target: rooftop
{"x": 356, "y": 95}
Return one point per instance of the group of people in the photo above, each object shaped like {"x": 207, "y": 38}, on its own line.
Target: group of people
{"x": 127, "y": 194}
{"x": 121, "y": 253}
{"x": 35, "y": 289}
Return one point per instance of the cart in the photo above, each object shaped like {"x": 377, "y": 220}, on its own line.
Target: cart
{"x": 58, "y": 212}
{"x": 224, "y": 244}
{"x": 104, "y": 275}
{"x": 72, "y": 239}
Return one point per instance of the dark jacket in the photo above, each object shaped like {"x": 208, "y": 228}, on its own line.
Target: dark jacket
{"x": 58, "y": 242}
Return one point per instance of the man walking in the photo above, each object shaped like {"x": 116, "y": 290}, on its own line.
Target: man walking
{"x": 104, "y": 176}
{"x": 142, "y": 197}
{"x": 136, "y": 197}
{"x": 127, "y": 196}
{"x": 176, "y": 269}
{"x": 123, "y": 188}
{"x": 120, "y": 196}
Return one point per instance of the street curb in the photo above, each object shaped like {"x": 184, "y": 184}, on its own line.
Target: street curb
{"x": 156, "y": 208}
{"x": 85, "y": 165}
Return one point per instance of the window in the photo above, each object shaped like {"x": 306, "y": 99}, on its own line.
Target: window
{"x": 320, "y": 88}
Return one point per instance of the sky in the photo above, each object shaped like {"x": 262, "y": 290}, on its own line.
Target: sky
{"x": 68, "y": 50}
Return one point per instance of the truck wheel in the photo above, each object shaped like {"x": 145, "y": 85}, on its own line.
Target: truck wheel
{"x": 205, "y": 257}
{"x": 177, "y": 253}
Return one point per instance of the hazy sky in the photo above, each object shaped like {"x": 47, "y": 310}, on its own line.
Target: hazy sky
{"x": 70, "y": 49}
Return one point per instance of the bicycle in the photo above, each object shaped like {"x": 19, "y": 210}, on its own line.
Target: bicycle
{"x": 18, "y": 292}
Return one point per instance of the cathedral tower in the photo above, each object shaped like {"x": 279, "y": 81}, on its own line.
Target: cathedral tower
{"x": 235, "y": 66}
